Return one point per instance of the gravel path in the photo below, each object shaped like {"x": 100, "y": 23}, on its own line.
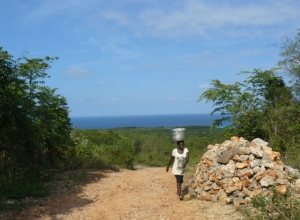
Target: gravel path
{"x": 145, "y": 193}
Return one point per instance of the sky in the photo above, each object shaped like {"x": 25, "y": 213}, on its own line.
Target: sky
{"x": 146, "y": 57}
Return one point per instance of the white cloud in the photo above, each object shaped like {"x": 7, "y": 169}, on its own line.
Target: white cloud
{"x": 204, "y": 86}
{"x": 175, "y": 20}
{"x": 49, "y": 8}
{"x": 117, "y": 17}
{"x": 117, "y": 45}
{"x": 198, "y": 18}
{"x": 76, "y": 71}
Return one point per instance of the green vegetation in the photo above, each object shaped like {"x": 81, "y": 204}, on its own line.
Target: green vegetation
{"x": 96, "y": 149}
{"x": 260, "y": 107}
{"x": 126, "y": 147}
{"x": 34, "y": 126}
{"x": 275, "y": 206}
{"x": 154, "y": 145}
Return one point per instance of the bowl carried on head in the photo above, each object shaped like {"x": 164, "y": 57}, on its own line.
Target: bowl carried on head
{"x": 178, "y": 134}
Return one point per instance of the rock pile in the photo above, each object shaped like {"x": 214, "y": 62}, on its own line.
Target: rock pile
{"x": 237, "y": 170}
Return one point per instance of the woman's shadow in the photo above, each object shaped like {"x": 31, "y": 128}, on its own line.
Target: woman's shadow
{"x": 185, "y": 191}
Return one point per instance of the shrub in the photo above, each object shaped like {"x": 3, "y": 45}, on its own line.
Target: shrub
{"x": 274, "y": 206}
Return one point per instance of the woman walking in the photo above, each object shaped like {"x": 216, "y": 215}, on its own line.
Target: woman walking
{"x": 180, "y": 157}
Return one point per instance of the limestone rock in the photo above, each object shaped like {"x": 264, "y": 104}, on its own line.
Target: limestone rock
{"x": 281, "y": 189}
{"x": 241, "y": 165}
{"x": 238, "y": 201}
{"x": 267, "y": 181}
{"x": 237, "y": 170}
{"x": 227, "y": 155}
{"x": 292, "y": 171}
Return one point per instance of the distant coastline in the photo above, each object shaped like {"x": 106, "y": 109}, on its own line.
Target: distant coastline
{"x": 146, "y": 121}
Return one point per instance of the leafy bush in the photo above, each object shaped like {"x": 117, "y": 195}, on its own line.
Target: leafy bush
{"x": 96, "y": 149}
{"x": 274, "y": 206}
{"x": 23, "y": 189}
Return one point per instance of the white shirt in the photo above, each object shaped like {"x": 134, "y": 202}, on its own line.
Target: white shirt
{"x": 180, "y": 159}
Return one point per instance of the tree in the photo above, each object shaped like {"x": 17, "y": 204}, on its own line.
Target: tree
{"x": 290, "y": 53}
{"x": 34, "y": 123}
{"x": 247, "y": 105}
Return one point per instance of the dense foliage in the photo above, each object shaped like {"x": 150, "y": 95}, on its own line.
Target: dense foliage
{"x": 34, "y": 123}
{"x": 154, "y": 145}
{"x": 96, "y": 149}
{"x": 126, "y": 147}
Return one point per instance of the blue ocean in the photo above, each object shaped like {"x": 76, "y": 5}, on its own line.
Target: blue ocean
{"x": 143, "y": 121}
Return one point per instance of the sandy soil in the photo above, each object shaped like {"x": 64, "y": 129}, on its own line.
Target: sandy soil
{"x": 145, "y": 193}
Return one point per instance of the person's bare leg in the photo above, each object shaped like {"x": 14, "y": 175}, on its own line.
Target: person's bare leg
{"x": 179, "y": 188}
{"x": 180, "y": 192}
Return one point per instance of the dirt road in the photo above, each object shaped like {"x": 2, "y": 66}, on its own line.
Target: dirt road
{"x": 145, "y": 193}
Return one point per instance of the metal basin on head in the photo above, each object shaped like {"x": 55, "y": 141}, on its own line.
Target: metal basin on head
{"x": 178, "y": 134}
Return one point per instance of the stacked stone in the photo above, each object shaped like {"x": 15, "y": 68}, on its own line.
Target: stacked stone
{"x": 238, "y": 170}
